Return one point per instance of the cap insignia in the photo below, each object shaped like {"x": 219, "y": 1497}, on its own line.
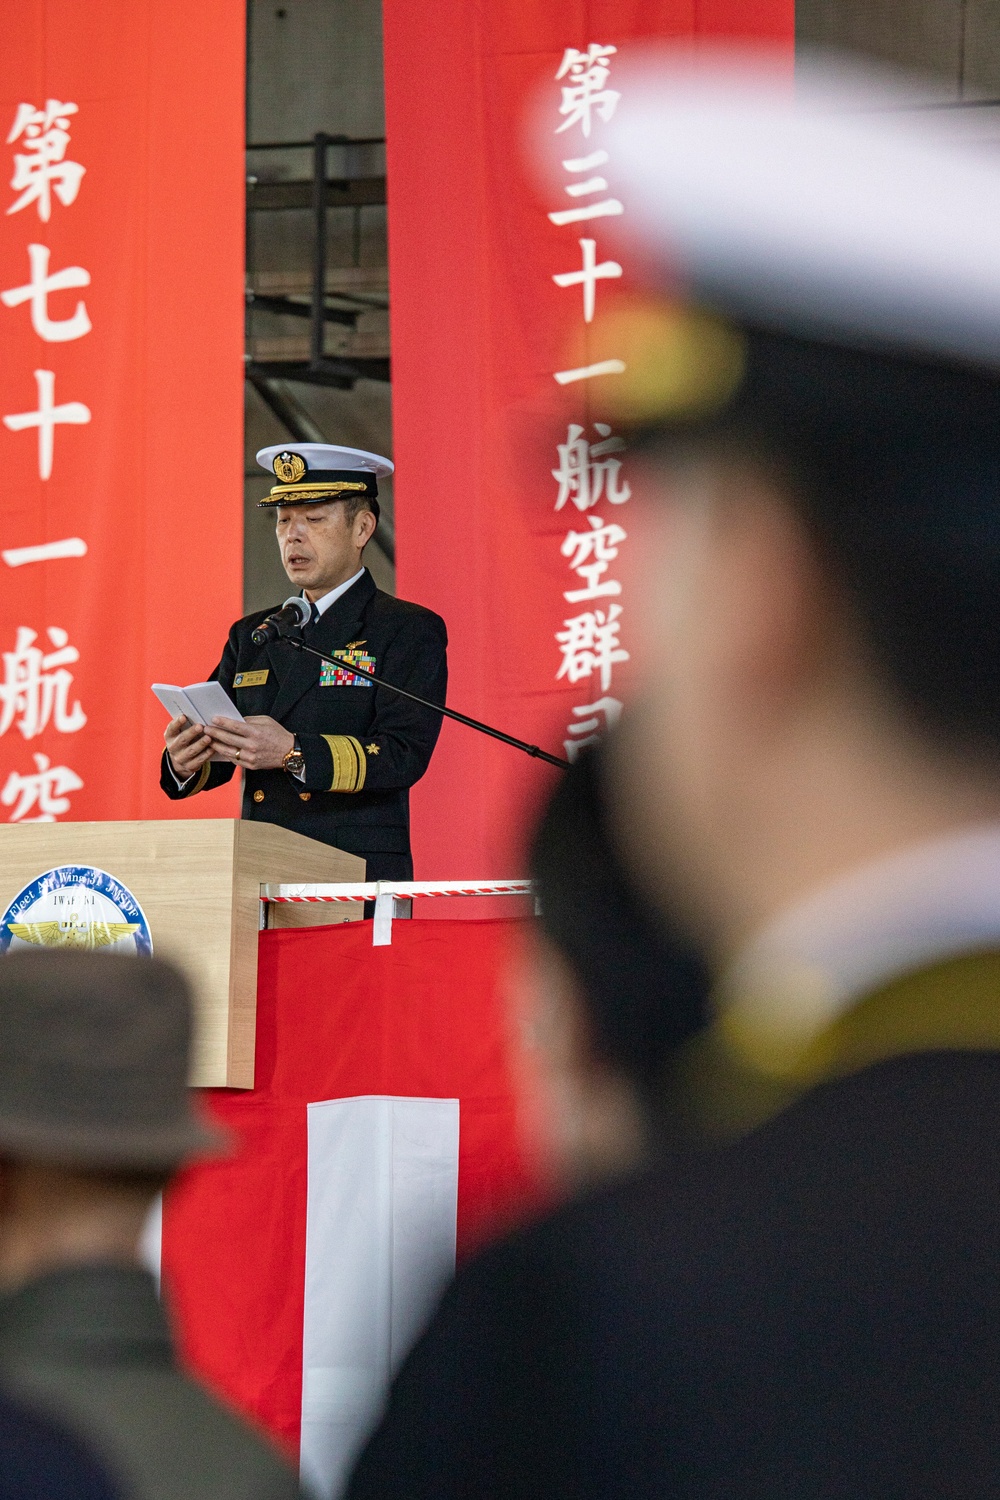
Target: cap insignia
{"x": 289, "y": 467}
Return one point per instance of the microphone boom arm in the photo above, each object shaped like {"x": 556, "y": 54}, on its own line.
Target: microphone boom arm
{"x": 449, "y": 713}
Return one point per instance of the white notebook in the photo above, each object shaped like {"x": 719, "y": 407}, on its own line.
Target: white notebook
{"x": 200, "y": 703}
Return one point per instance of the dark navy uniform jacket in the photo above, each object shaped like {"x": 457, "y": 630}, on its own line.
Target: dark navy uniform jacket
{"x": 808, "y": 1313}
{"x": 364, "y": 746}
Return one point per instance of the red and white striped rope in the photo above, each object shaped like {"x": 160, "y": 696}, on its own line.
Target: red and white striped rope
{"x": 371, "y": 890}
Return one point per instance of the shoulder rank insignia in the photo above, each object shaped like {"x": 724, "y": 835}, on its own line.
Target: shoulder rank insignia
{"x": 371, "y": 749}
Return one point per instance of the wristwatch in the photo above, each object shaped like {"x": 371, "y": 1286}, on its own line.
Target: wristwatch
{"x": 294, "y": 762}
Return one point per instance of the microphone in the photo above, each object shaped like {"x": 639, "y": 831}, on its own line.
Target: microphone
{"x": 293, "y": 614}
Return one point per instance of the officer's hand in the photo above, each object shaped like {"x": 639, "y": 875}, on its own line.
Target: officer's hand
{"x": 187, "y": 745}
{"x": 258, "y": 743}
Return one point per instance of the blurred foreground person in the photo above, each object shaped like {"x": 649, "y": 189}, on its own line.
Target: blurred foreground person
{"x": 616, "y": 994}
{"x": 39, "y": 1462}
{"x": 808, "y": 1304}
{"x": 94, "y": 1119}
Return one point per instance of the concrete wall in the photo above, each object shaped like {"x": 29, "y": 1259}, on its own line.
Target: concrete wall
{"x": 315, "y": 65}
{"x": 955, "y": 42}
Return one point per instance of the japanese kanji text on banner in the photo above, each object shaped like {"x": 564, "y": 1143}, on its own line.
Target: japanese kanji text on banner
{"x": 525, "y": 547}
{"x": 120, "y": 390}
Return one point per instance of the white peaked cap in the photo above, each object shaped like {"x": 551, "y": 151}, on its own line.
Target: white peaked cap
{"x": 827, "y": 206}
{"x": 325, "y": 456}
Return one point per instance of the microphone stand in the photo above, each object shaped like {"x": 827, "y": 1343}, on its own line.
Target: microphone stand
{"x": 449, "y": 713}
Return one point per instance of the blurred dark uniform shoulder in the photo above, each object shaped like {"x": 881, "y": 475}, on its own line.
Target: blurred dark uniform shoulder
{"x": 808, "y": 1311}
{"x": 364, "y": 746}
{"x": 38, "y": 1459}
{"x": 90, "y": 1347}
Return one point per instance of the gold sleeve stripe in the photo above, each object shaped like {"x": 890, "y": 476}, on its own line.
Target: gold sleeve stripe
{"x": 350, "y": 765}
{"x": 203, "y": 776}
{"x": 362, "y": 764}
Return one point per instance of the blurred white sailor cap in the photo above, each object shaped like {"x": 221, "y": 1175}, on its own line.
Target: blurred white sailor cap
{"x": 309, "y": 473}
{"x": 826, "y": 206}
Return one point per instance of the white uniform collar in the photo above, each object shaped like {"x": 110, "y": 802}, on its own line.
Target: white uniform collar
{"x": 323, "y": 604}
{"x": 916, "y": 907}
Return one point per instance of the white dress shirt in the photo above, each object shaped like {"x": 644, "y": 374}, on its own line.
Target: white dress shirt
{"x": 323, "y": 604}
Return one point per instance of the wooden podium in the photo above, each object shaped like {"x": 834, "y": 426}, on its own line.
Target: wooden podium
{"x": 198, "y": 882}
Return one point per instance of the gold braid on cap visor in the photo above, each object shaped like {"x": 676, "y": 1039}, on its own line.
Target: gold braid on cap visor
{"x": 301, "y": 494}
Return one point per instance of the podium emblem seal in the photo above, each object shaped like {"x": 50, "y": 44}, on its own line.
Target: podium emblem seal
{"x": 79, "y": 908}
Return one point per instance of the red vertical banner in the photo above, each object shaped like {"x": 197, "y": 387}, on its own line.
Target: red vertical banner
{"x": 512, "y": 486}
{"x": 121, "y": 256}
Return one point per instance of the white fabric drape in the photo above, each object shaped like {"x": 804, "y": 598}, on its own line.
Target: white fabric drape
{"x": 380, "y": 1248}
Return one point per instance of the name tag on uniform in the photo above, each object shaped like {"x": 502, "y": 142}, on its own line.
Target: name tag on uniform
{"x": 331, "y": 676}
{"x": 251, "y": 679}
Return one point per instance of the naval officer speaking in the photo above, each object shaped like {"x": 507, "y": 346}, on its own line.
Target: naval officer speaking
{"x": 323, "y": 751}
